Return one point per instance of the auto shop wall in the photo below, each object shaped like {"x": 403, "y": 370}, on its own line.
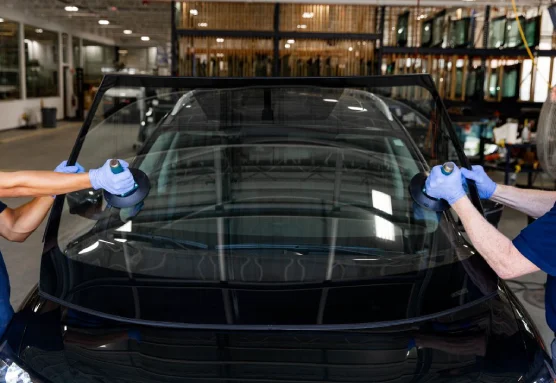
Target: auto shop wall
{"x": 17, "y": 65}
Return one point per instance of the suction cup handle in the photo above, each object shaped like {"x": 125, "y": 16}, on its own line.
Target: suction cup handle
{"x": 116, "y": 167}
{"x": 447, "y": 168}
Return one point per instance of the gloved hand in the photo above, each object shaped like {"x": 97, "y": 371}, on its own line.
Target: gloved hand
{"x": 448, "y": 187}
{"x": 103, "y": 178}
{"x": 485, "y": 185}
{"x": 63, "y": 168}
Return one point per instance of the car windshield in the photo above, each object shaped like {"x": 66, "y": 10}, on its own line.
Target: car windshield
{"x": 271, "y": 203}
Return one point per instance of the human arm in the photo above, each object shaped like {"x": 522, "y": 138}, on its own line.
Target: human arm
{"x": 18, "y": 224}
{"x": 534, "y": 203}
{"x": 498, "y": 250}
{"x": 43, "y": 183}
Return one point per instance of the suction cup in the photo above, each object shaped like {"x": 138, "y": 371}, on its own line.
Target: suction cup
{"x": 136, "y": 196}
{"x": 417, "y": 192}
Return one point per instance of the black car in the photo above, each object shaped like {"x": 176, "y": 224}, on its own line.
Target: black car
{"x": 279, "y": 243}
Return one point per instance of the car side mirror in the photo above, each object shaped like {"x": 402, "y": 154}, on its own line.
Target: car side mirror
{"x": 86, "y": 203}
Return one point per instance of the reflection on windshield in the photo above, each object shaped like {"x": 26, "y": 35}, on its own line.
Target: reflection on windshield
{"x": 264, "y": 185}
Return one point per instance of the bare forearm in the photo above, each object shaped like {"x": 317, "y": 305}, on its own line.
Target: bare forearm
{"x": 534, "y": 203}
{"x": 494, "y": 247}
{"x": 28, "y": 217}
{"x": 41, "y": 183}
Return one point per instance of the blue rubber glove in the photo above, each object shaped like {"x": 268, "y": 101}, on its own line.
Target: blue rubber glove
{"x": 447, "y": 187}
{"x": 485, "y": 185}
{"x": 63, "y": 168}
{"x": 103, "y": 178}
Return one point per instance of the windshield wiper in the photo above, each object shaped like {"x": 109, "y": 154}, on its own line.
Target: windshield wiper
{"x": 313, "y": 248}
{"x": 153, "y": 239}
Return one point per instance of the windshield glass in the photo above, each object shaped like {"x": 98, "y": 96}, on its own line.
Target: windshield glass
{"x": 262, "y": 198}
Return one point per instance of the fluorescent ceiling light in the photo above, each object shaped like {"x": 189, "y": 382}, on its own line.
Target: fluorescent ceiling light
{"x": 308, "y": 15}
{"x": 301, "y": 26}
{"x": 126, "y": 227}
{"x": 384, "y": 229}
{"x": 38, "y": 30}
{"x": 291, "y": 41}
{"x": 329, "y": 100}
{"x": 203, "y": 25}
{"x": 90, "y": 248}
{"x": 128, "y": 31}
{"x": 382, "y": 201}
{"x": 145, "y": 38}
{"x": 220, "y": 40}
{"x": 287, "y": 46}
{"x": 357, "y": 108}
{"x": 120, "y": 240}
{"x": 193, "y": 12}
{"x": 71, "y": 8}
{"x": 104, "y": 22}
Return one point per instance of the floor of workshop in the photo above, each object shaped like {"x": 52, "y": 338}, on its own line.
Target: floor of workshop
{"x": 43, "y": 149}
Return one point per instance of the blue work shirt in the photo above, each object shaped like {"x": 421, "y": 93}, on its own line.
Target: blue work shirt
{"x": 537, "y": 242}
{"x": 6, "y": 311}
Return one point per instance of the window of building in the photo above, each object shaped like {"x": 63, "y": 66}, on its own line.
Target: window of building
{"x": 9, "y": 60}
{"x": 41, "y": 61}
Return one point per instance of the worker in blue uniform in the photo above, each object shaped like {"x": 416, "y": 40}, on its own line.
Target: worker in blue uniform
{"x": 19, "y": 223}
{"x": 532, "y": 250}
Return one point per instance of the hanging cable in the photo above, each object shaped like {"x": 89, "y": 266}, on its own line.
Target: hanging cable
{"x": 524, "y": 39}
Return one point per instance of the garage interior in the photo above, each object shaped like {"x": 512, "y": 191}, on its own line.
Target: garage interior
{"x": 54, "y": 53}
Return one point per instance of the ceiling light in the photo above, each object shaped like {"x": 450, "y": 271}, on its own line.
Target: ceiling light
{"x": 220, "y": 40}
{"x": 193, "y": 12}
{"x": 382, "y": 201}
{"x": 203, "y": 25}
{"x": 301, "y": 26}
{"x": 468, "y": 1}
{"x": 350, "y": 49}
{"x": 126, "y": 227}
{"x": 90, "y": 248}
{"x": 357, "y": 108}
{"x": 1, "y": 20}
{"x": 71, "y": 8}
{"x": 291, "y": 41}
{"x": 329, "y": 100}
{"x": 128, "y": 31}
{"x": 145, "y": 38}
{"x": 38, "y": 30}
{"x": 287, "y": 46}
{"x": 308, "y": 15}
{"x": 104, "y": 22}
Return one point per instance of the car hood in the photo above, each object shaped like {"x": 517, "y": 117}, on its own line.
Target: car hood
{"x": 479, "y": 342}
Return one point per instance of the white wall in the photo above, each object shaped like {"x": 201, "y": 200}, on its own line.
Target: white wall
{"x": 11, "y": 111}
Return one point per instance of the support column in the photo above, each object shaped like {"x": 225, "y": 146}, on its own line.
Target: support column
{"x": 380, "y": 43}
{"x": 276, "y": 42}
{"x": 60, "y": 68}
{"x": 22, "y": 66}
{"x": 486, "y": 29}
{"x": 81, "y": 54}
{"x": 174, "y": 42}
